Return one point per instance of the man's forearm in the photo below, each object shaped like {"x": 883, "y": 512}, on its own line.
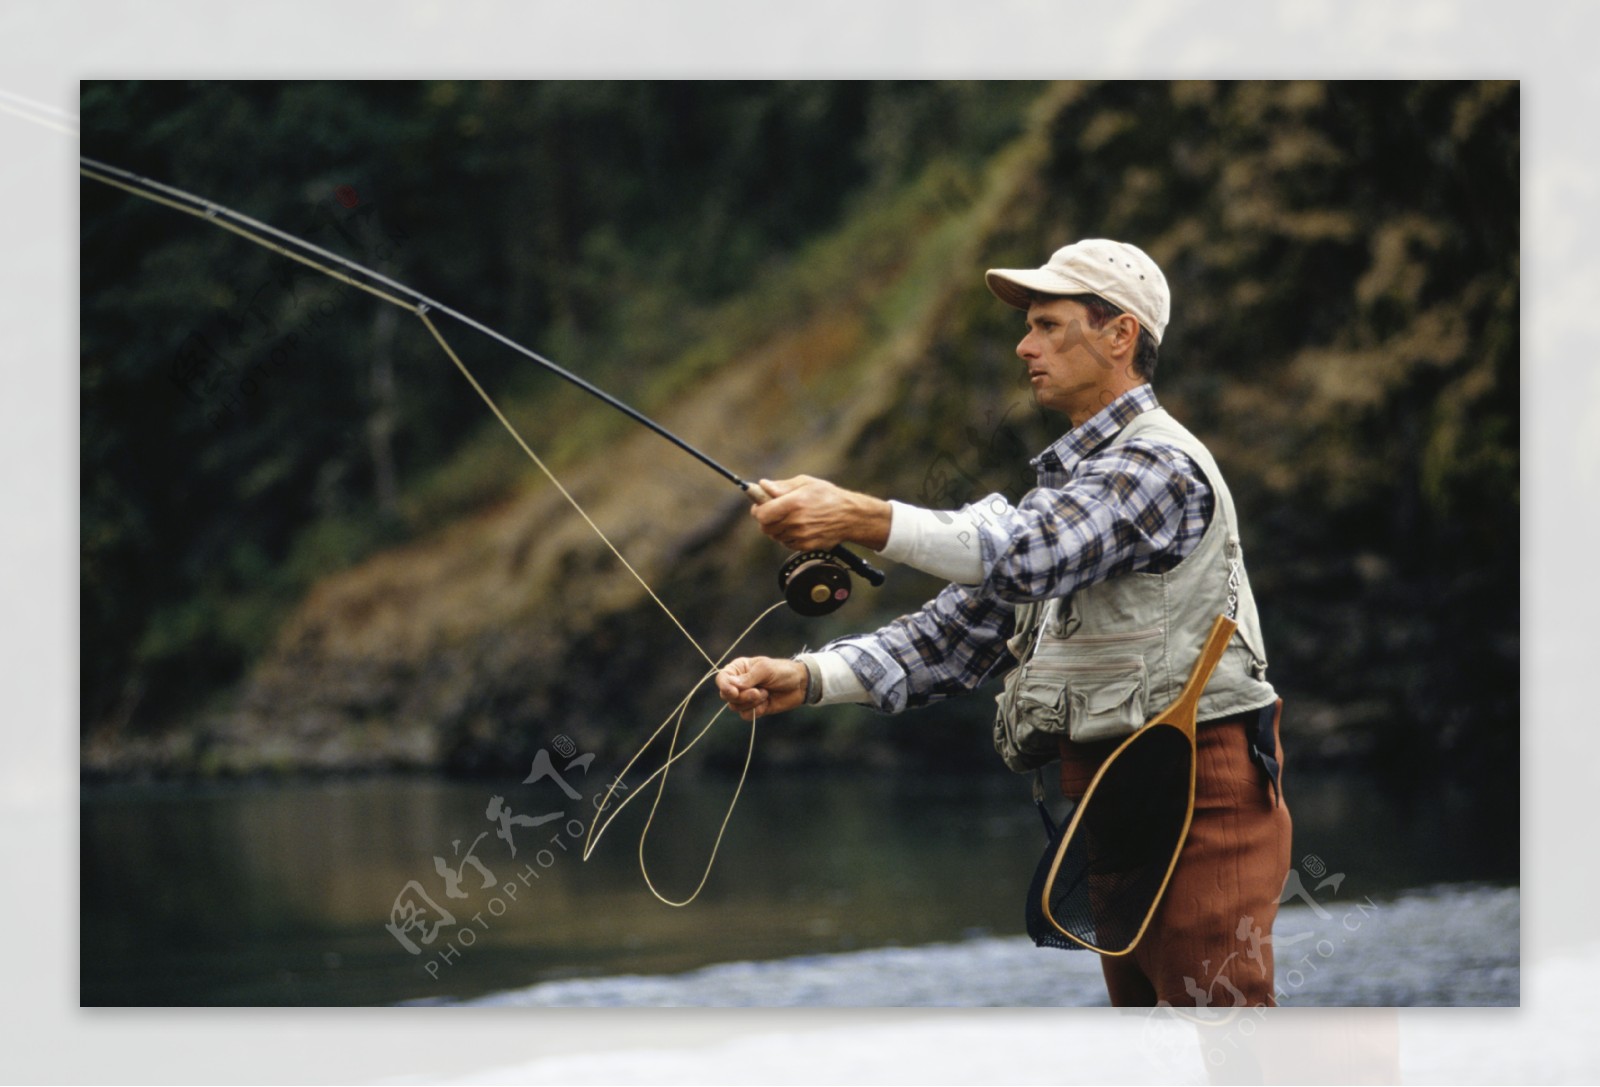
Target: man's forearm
{"x": 943, "y": 543}
{"x": 873, "y": 519}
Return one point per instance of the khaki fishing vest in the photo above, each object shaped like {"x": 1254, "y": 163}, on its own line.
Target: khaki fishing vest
{"x": 1099, "y": 663}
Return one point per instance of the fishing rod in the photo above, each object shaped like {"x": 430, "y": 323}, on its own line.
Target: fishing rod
{"x": 813, "y": 582}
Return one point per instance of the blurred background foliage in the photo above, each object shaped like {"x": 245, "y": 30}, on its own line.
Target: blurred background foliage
{"x": 259, "y": 442}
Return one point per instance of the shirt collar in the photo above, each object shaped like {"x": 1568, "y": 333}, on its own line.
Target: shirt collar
{"x": 1062, "y": 456}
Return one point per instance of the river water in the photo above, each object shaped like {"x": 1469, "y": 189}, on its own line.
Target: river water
{"x": 827, "y": 890}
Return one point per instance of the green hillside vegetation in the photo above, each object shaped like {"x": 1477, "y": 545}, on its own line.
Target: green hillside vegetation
{"x": 352, "y": 566}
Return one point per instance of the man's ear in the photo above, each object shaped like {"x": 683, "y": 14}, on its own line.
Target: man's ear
{"x": 1124, "y": 329}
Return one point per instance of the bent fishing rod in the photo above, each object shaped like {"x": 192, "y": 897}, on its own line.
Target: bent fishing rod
{"x": 813, "y": 582}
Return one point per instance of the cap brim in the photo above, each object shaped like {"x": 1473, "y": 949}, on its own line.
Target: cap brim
{"x": 1014, "y": 285}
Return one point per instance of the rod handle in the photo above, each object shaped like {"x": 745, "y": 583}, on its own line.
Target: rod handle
{"x": 872, "y": 575}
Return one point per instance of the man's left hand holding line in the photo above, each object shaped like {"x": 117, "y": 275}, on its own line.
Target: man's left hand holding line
{"x": 803, "y": 514}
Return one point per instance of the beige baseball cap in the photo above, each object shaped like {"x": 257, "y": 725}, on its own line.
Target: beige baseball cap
{"x": 1116, "y": 271}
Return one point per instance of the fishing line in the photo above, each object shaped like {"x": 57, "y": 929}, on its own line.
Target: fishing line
{"x": 591, "y": 838}
{"x": 253, "y": 230}
{"x": 814, "y": 591}
{"x": 209, "y": 213}
{"x": 597, "y": 828}
{"x": 551, "y": 476}
{"x": 196, "y": 205}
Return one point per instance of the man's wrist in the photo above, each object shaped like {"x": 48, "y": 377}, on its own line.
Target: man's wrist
{"x": 813, "y": 679}
{"x": 874, "y": 518}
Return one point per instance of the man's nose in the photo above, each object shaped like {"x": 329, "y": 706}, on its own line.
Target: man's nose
{"x": 1025, "y": 347}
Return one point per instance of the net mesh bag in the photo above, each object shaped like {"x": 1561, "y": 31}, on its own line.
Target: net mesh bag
{"x": 1114, "y": 862}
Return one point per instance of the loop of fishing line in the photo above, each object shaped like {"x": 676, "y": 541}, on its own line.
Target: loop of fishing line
{"x": 219, "y": 216}
{"x": 676, "y": 717}
{"x": 597, "y": 827}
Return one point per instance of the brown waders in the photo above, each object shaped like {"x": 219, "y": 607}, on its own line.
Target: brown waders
{"x": 1209, "y": 943}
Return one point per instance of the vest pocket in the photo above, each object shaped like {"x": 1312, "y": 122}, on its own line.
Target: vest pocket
{"x": 1084, "y": 701}
{"x": 1106, "y": 700}
{"x": 1032, "y": 717}
{"x": 1079, "y": 688}
{"x": 1047, "y": 701}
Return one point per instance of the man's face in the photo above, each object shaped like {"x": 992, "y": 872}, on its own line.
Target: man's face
{"x": 1068, "y": 366}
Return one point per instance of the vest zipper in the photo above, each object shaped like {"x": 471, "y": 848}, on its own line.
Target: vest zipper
{"x": 1112, "y": 639}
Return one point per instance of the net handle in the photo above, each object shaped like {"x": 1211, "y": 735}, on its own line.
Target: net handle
{"x": 1186, "y": 706}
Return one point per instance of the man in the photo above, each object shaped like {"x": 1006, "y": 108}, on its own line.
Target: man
{"x": 1112, "y": 569}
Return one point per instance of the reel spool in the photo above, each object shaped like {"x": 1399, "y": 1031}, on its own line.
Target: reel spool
{"x": 814, "y": 583}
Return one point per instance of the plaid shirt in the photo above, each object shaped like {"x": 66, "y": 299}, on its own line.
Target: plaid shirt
{"x": 1097, "y": 513}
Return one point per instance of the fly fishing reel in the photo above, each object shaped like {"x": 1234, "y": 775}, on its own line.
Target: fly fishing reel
{"x": 814, "y": 582}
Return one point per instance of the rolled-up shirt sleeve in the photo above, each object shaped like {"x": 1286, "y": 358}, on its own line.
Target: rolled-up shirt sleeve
{"x": 947, "y": 647}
